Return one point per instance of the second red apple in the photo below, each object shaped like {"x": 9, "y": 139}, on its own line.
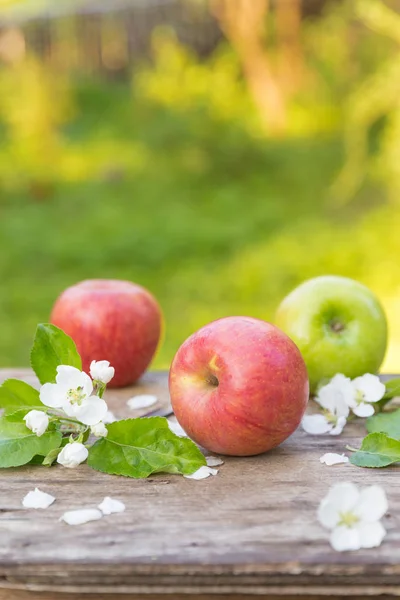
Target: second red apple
{"x": 112, "y": 320}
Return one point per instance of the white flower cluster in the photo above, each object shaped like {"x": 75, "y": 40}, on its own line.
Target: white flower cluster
{"x": 340, "y": 396}
{"x": 72, "y": 397}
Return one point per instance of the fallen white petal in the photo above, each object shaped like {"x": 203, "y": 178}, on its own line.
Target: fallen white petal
{"x": 111, "y": 505}
{"x": 315, "y": 424}
{"x": 81, "y": 516}
{"x": 202, "y": 473}
{"x": 331, "y": 458}
{"x": 214, "y": 461}
{"x": 143, "y": 401}
{"x": 37, "y": 499}
{"x": 109, "y": 417}
{"x": 176, "y": 428}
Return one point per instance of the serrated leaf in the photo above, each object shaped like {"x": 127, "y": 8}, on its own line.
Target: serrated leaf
{"x": 16, "y": 395}
{"x": 386, "y": 422}
{"x": 139, "y": 447}
{"x": 18, "y": 445}
{"x": 377, "y": 450}
{"x": 51, "y": 348}
{"x": 392, "y": 388}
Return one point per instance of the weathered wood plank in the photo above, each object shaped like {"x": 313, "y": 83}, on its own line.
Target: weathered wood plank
{"x": 251, "y": 530}
{"x": 15, "y": 594}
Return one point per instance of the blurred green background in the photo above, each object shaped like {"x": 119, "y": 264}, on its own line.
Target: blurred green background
{"x": 217, "y": 152}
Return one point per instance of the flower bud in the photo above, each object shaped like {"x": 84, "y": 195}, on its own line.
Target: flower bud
{"x": 72, "y": 455}
{"x": 37, "y": 421}
{"x": 100, "y": 370}
{"x": 99, "y": 430}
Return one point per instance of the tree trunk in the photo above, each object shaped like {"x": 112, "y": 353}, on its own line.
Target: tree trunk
{"x": 243, "y": 22}
{"x": 288, "y": 27}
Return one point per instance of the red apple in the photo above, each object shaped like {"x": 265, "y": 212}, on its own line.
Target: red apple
{"x": 112, "y": 320}
{"x": 239, "y": 386}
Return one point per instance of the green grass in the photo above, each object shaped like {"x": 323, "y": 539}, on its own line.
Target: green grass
{"x": 211, "y": 220}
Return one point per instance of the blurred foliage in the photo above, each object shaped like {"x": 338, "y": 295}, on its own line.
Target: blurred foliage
{"x": 170, "y": 182}
{"x": 374, "y": 106}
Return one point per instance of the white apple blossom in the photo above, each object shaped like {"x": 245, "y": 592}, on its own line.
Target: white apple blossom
{"x": 366, "y": 390}
{"x": 331, "y": 458}
{"x": 37, "y": 499}
{"x": 202, "y": 473}
{"x": 334, "y": 398}
{"x": 37, "y": 421}
{"x": 353, "y": 516}
{"x": 99, "y": 430}
{"x": 101, "y": 371}
{"x": 72, "y": 393}
{"x": 111, "y": 505}
{"x": 72, "y": 455}
{"x": 81, "y": 516}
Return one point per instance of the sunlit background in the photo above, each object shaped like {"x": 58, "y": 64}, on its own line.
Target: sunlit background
{"x": 216, "y": 151}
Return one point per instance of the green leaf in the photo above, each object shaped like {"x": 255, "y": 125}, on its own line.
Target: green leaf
{"x": 377, "y": 450}
{"x": 139, "y": 447}
{"x": 18, "y": 445}
{"x": 51, "y": 457}
{"x": 51, "y": 348}
{"x": 386, "y": 422}
{"x": 392, "y": 388}
{"x": 16, "y": 395}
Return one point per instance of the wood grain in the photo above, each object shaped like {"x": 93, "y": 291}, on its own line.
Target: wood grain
{"x": 250, "y": 531}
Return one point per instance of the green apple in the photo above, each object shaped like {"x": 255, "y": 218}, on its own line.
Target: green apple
{"x": 339, "y": 326}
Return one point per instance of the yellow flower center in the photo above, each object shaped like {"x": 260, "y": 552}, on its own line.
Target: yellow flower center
{"x": 348, "y": 519}
{"x": 76, "y": 396}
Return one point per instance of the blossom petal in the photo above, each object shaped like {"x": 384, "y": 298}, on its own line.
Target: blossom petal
{"x": 337, "y": 430}
{"x": 315, "y": 424}
{"x": 337, "y": 396}
{"x": 373, "y": 503}
{"x": 142, "y": 401}
{"x": 363, "y": 410}
{"x": 371, "y": 387}
{"x": 202, "y": 473}
{"x": 100, "y": 370}
{"x": 81, "y": 516}
{"x": 51, "y": 395}
{"x": 91, "y": 411}
{"x": 345, "y": 538}
{"x": 214, "y": 461}
{"x": 37, "y": 499}
{"x": 371, "y": 534}
{"x": 177, "y": 429}
{"x": 111, "y": 505}
{"x": 109, "y": 418}
{"x": 340, "y": 498}
{"x": 72, "y": 378}
{"x": 331, "y": 458}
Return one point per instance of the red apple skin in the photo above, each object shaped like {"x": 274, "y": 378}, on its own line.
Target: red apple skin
{"x": 112, "y": 320}
{"x": 262, "y": 389}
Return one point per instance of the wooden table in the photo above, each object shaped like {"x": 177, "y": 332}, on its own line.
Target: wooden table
{"x": 250, "y": 531}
